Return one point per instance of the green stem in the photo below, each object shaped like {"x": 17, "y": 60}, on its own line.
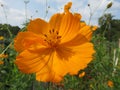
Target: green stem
{"x": 9, "y": 31}
{"x": 90, "y": 18}
{"x": 6, "y": 48}
{"x": 7, "y": 22}
{"x": 46, "y": 12}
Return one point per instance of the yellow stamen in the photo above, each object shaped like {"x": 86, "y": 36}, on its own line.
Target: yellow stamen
{"x": 52, "y": 38}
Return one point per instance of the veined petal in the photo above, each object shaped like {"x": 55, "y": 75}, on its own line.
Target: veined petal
{"x": 39, "y": 61}
{"x": 83, "y": 56}
{"x": 30, "y": 61}
{"x": 55, "y": 21}
{"x": 70, "y": 26}
{"x": 54, "y": 71}
{"x": 87, "y": 31}
{"x": 48, "y": 76}
{"x": 77, "y": 40}
{"x": 25, "y": 39}
{"x": 58, "y": 68}
{"x": 38, "y": 26}
{"x": 60, "y": 62}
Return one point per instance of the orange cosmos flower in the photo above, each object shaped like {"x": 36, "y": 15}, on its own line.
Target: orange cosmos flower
{"x": 110, "y": 83}
{"x": 1, "y": 62}
{"x": 55, "y": 48}
{"x": 1, "y": 37}
{"x": 3, "y": 55}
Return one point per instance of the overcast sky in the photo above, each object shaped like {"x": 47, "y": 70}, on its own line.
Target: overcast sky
{"x": 13, "y": 11}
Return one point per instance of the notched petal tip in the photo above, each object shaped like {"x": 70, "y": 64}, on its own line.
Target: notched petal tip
{"x": 77, "y": 15}
{"x": 67, "y": 7}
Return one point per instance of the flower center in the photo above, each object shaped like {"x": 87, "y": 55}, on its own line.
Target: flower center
{"x": 52, "y": 38}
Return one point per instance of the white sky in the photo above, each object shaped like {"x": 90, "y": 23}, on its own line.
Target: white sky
{"x": 14, "y": 10}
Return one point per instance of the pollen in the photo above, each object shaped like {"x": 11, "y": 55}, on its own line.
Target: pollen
{"x": 52, "y": 38}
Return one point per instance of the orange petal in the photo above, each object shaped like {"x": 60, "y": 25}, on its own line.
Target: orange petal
{"x": 77, "y": 40}
{"x": 25, "y": 39}
{"x": 71, "y": 60}
{"x": 82, "y": 74}
{"x": 54, "y": 71}
{"x": 70, "y": 26}
{"x": 87, "y": 31}
{"x": 39, "y": 61}
{"x": 38, "y": 26}
{"x": 82, "y": 57}
{"x": 44, "y": 75}
{"x": 55, "y": 21}
{"x": 30, "y": 61}
{"x": 47, "y": 75}
{"x": 60, "y": 62}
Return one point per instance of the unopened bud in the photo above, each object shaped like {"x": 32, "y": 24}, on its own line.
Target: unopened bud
{"x": 109, "y": 5}
{"x": 2, "y": 5}
{"x": 88, "y": 5}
